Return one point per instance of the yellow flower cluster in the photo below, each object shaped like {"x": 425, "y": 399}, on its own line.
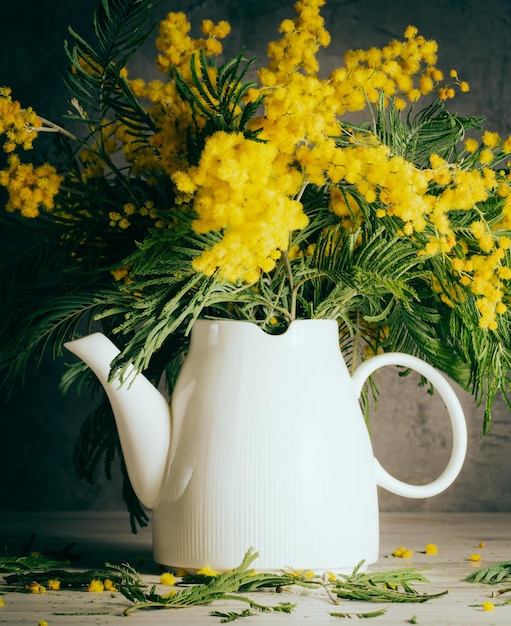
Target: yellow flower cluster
{"x": 401, "y": 68}
{"x": 248, "y": 193}
{"x": 245, "y": 191}
{"x": 35, "y": 587}
{"x": 93, "y": 165}
{"x": 121, "y": 220}
{"x": 429, "y": 201}
{"x": 478, "y": 255}
{"x": 207, "y": 570}
{"x": 167, "y": 578}
{"x": 98, "y": 586}
{"x": 172, "y": 116}
{"x": 103, "y": 140}
{"x": 234, "y": 188}
{"x": 30, "y": 188}
{"x": 399, "y": 187}
{"x": 54, "y": 584}
{"x": 124, "y": 220}
{"x": 19, "y": 125}
{"x": 294, "y": 93}
{"x": 177, "y": 47}
{"x": 402, "y": 553}
{"x": 302, "y": 38}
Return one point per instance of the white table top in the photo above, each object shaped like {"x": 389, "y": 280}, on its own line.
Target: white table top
{"x": 106, "y": 537}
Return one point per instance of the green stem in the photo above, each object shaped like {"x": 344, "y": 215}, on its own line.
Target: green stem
{"x": 105, "y": 157}
{"x": 299, "y": 195}
{"x": 328, "y": 590}
{"x": 287, "y": 263}
{"x": 145, "y": 605}
{"x": 273, "y": 306}
{"x": 499, "y": 592}
{"x": 356, "y": 340}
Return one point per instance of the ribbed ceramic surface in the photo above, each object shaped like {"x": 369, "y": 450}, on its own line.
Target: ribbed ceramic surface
{"x": 272, "y": 453}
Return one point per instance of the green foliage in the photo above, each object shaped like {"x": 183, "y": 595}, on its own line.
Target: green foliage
{"x": 432, "y": 130}
{"x": 492, "y": 575}
{"x": 225, "y": 586}
{"x": 68, "y": 579}
{"x": 220, "y": 102}
{"x": 389, "y": 586}
{"x": 360, "y": 615}
{"x": 231, "y": 586}
{"x": 120, "y": 28}
{"x": 37, "y": 563}
{"x": 231, "y": 616}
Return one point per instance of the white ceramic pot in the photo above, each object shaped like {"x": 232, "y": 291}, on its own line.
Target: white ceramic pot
{"x": 271, "y": 451}
{"x": 264, "y": 447}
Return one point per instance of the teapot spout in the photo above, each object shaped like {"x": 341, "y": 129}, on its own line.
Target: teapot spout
{"x": 142, "y": 416}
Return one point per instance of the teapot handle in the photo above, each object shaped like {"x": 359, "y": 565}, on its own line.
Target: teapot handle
{"x": 453, "y": 406}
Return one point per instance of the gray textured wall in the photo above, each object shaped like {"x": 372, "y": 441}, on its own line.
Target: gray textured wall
{"x": 410, "y": 430}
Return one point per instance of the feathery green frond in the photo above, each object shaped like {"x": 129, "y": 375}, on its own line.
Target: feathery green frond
{"x": 95, "y": 80}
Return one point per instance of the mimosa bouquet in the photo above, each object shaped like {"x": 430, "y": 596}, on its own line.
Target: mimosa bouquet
{"x": 226, "y": 190}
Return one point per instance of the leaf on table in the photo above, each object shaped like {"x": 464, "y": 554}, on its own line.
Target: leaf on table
{"x": 491, "y": 575}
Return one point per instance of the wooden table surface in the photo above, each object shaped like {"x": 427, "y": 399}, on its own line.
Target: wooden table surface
{"x": 99, "y": 538}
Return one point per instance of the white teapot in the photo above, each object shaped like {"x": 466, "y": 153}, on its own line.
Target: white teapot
{"x": 264, "y": 445}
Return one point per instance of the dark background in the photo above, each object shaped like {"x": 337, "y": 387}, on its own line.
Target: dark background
{"x": 38, "y": 426}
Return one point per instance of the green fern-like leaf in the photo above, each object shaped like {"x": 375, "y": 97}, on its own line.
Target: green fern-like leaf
{"x": 44, "y": 329}
{"x": 493, "y": 575}
{"x": 120, "y": 27}
{"x": 433, "y": 130}
{"x": 219, "y": 103}
{"x": 365, "y": 615}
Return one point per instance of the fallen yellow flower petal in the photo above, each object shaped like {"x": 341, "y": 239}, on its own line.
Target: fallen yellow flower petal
{"x": 35, "y": 587}
{"x": 399, "y": 551}
{"x": 96, "y": 586}
{"x": 207, "y": 571}
{"x": 168, "y": 579}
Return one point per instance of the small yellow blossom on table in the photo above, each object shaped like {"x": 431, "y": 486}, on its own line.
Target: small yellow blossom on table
{"x": 431, "y": 548}
{"x": 96, "y": 586}
{"x": 167, "y": 579}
